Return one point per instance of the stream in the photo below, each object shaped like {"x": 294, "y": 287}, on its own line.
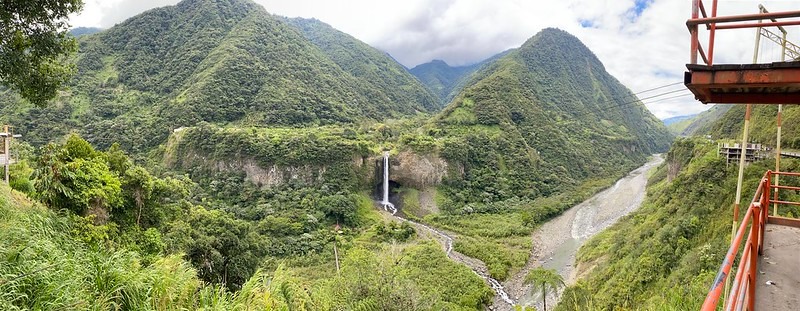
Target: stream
{"x": 476, "y": 265}
{"x": 556, "y": 243}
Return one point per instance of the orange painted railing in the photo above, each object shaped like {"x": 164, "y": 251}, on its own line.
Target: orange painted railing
{"x": 701, "y": 17}
{"x": 742, "y": 293}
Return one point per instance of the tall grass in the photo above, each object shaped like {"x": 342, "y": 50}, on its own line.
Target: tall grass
{"x": 43, "y": 266}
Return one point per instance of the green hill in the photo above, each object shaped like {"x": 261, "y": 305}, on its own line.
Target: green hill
{"x": 762, "y": 126}
{"x": 374, "y": 68}
{"x": 447, "y": 81}
{"x": 543, "y": 119}
{"x": 699, "y": 123}
{"x": 225, "y": 62}
{"x": 82, "y": 31}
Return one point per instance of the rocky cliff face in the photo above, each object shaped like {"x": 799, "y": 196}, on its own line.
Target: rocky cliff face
{"x": 417, "y": 170}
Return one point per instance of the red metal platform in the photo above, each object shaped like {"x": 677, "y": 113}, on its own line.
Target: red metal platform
{"x": 775, "y": 83}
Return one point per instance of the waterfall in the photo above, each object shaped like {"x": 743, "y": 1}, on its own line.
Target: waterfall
{"x": 388, "y": 206}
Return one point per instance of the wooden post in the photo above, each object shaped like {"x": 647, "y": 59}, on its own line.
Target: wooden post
{"x": 742, "y": 158}
{"x": 778, "y": 142}
{"x": 5, "y": 150}
{"x": 336, "y": 231}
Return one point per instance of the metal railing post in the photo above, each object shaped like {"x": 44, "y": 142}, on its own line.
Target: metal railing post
{"x": 753, "y": 260}
{"x": 693, "y": 31}
{"x": 711, "y": 34}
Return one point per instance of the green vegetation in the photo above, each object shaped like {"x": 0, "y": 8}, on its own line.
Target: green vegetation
{"x": 699, "y": 123}
{"x": 380, "y": 74}
{"x": 254, "y": 141}
{"x": 46, "y": 264}
{"x": 447, "y": 81}
{"x": 547, "y": 279}
{"x": 126, "y": 235}
{"x": 35, "y": 47}
{"x": 668, "y": 251}
{"x": 224, "y": 62}
{"x": 524, "y": 142}
{"x": 762, "y": 126}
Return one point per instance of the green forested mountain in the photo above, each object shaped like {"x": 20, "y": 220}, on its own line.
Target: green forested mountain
{"x": 226, "y": 62}
{"x": 673, "y": 120}
{"x": 82, "y": 31}
{"x": 762, "y": 125}
{"x": 543, "y": 119}
{"x": 447, "y": 81}
{"x": 699, "y": 124}
{"x": 532, "y": 134}
{"x": 376, "y": 69}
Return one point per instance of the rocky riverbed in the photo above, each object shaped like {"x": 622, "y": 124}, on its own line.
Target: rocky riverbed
{"x": 556, "y": 242}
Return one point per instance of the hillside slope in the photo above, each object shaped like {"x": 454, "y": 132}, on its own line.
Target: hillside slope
{"x": 668, "y": 251}
{"x": 543, "y": 119}
{"x": 376, "y": 69}
{"x": 447, "y": 81}
{"x": 698, "y": 124}
{"x": 225, "y": 62}
{"x": 762, "y": 126}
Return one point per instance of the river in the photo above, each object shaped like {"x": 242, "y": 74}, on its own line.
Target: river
{"x": 556, "y": 242}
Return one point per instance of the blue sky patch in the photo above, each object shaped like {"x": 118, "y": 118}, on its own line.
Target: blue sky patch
{"x": 638, "y": 7}
{"x": 587, "y": 23}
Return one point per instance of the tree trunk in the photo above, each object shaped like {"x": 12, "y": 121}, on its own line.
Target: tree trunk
{"x": 138, "y": 198}
{"x": 544, "y": 296}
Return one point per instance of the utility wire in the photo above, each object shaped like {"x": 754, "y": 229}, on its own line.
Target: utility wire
{"x": 658, "y": 88}
{"x": 627, "y": 97}
{"x": 667, "y": 98}
{"x": 638, "y": 101}
{"x": 662, "y": 94}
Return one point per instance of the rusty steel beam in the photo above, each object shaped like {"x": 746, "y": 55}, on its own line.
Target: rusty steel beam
{"x": 737, "y": 98}
{"x": 746, "y": 77}
{"x": 785, "y": 202}
{"x": 693, "y": 32}
{"x": 756, "y": 25}
{"x": 711, "y": 34}
{"x": 787, "y": 188}
{"x": 729, "y": 84}
{"x": 783, "y": 221}
{"x": 702, "y": 53}
{"x": 702, "y": 8}
{"x": 741, "y": 18}
{"x": 710, "y": 304}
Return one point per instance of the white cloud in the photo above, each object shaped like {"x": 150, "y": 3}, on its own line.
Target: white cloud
{"x": 642, "y": 52}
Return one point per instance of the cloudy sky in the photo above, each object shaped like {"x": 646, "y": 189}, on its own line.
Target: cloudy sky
{"x": 644, "y": 43}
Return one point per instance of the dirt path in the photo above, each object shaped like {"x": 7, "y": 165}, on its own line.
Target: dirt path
{"x": 556, "y": 242}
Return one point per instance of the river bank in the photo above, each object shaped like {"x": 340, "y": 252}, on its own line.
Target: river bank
{"x": 555, "y": 243}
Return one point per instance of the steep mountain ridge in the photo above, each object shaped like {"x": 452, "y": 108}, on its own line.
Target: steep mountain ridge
{"x": 554, "y": 116}
{"x": 372, "y": 66}
{"x": 447, "y": 81}
{"x": 225, "y": 62}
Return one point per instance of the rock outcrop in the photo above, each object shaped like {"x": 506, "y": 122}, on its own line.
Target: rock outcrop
{"x": 417, "y": 171}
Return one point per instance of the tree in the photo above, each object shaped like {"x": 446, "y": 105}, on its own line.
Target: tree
{"x": 547, "y": 278}
{"x": 73, "y": 177}
{"x": 35, "y": 45}
{"x": 225, "y": 250}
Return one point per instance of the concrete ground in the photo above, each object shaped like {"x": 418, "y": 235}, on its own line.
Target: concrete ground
{"x": 781, "y": 265}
